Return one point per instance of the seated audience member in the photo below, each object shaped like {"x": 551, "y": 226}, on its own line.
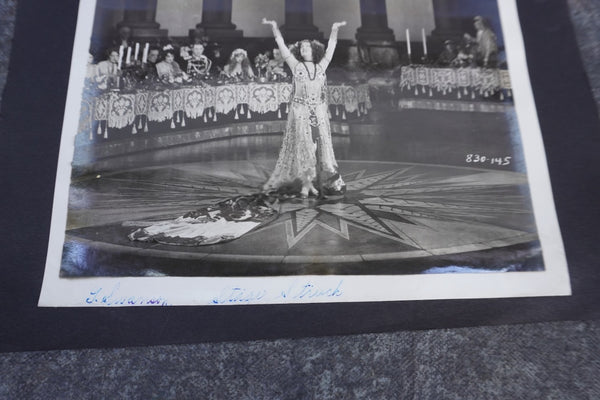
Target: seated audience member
{"x": 197, "y": 63}
{"x": 147, "y": 70}
{"x": 464, "y": 58}
{"x": 448, "y": 55}
{"x": 123, "y": 37}
{"x": 107, "y": 69}
{"x": 108, "y": 66}
{"x": 464, "y": 55}
{"x": 486, "y": 46}
{"x": 168, "y": 70}
{"x": 153, "y": 54}
{"x": 276, "y": 67}
{"x": 238, "y": 66}
{"x": 91, "y": 70}
{"x": 214, "y": 52}
{"x": 149, "y": 67}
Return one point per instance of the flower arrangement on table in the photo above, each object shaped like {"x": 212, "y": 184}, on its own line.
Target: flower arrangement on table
{"x": 261, "y": 63}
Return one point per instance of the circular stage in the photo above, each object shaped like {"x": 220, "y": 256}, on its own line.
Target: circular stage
{"x": 395, "y": 218}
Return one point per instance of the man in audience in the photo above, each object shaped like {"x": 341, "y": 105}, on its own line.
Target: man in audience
{"x": 197, "y": 63}
{"x": 108, "y": 66}
{"x": 123, "y": 37}
{"x": 148, "y": 70}
{"x": 153, "y": 54}
{"x": 107, "y": 70}
{"x": 448, "y": 55}
{"x": 486, "y": 46}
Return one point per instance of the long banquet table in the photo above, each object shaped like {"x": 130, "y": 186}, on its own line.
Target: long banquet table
{"x": 462, "y": 81}
{"x": 120, "y": 109}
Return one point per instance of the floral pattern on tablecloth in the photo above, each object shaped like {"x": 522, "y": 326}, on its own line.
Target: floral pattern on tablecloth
{"x": 263, "y": 99}
{"x": 484, "y": 80}
{"x": 443, "y": 79}
{"x": 101, "y": 108}
{"x": 141, "y": 103}
{"x": 121, "y": 109}
{"x": 160, "y": 106}
{"x": 407, "y": 77}
{"x": 350, "y": 99}
{"x": 178, "y": 99}
{"x": 225, "y": 100}
{"x": 422, "y": 76}
{"x": 86, "y": 115}
{"x": 195, "y": 102}
{"x": 285, "y": 92}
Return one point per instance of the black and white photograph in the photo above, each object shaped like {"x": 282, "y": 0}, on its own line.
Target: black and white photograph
{"x": 227, "y": 152}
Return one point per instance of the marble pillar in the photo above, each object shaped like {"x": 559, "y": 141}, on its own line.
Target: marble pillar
{"x": 449, "y": 25}
{"x": 299, "y": 21}
{"x": 375, "y": 36}
{"x": 140, "y": 17}
{"x": 374, "y": 23}
{"x": 216, "y": 21}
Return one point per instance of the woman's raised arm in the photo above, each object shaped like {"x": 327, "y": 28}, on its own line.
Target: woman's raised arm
{"x": 285, "y": 52}
{"x": 332, "y": 43}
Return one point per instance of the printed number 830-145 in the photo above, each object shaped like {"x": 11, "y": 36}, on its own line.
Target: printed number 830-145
{"x": 478, "y": 158}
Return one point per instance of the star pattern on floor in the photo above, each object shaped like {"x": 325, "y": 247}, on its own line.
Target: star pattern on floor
{"x": 399, "y": 204}
{"x": 388, "y": 208}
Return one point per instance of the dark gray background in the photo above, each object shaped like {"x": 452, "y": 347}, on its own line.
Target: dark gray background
{"x": 558, "y": 360}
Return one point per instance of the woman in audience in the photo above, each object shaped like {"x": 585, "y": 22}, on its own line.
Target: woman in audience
{"x": 168, "y": 70}
{"x": 239, "y": 66}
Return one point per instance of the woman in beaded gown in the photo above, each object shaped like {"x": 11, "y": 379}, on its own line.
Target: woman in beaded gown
{"x": 306, "y": 154}
{"x": 306, "y": 158}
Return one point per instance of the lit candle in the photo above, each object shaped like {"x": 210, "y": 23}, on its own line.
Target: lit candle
{"x": 120, "y": 56}
{"x": 128, "y": 59}
{"x": 137, "y": 51}
{"x": 424, "y": 41}
{"x": 408, "y": 41}
{"x": 145, "y": 54}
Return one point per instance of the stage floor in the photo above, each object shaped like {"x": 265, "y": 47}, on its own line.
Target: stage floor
{"x": 396, "y": 218}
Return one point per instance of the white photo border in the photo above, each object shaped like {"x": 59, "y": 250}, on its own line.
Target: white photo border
{"x": 143, "y": 291}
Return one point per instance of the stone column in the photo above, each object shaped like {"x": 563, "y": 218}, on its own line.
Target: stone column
{"x": 374, "y": 23}
{"x": 375, "y": 36}
{"x": 299, "y": 21}
{"x": 447, "y": 25}
{"x": 216, "y": 20}
{"x": 140, "y": 16}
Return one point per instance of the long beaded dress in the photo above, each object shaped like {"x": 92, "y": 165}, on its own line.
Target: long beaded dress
{"x": 306, "y": 154}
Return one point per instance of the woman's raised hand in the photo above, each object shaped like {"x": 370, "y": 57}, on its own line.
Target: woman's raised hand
{"x": 336, "y": 25}
{"x": 269, "y": 22}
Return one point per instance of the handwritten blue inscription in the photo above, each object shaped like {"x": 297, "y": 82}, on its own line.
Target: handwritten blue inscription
{"x": 309, "y": 291}
{"x": 112, "y": 297}
{"x": 296, "y": 291}
{"x": 239, "y": 295}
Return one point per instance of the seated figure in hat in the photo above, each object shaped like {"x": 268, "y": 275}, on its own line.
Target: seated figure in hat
{"x": 486, "y": 46}
{"x": 197, "y": 63}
